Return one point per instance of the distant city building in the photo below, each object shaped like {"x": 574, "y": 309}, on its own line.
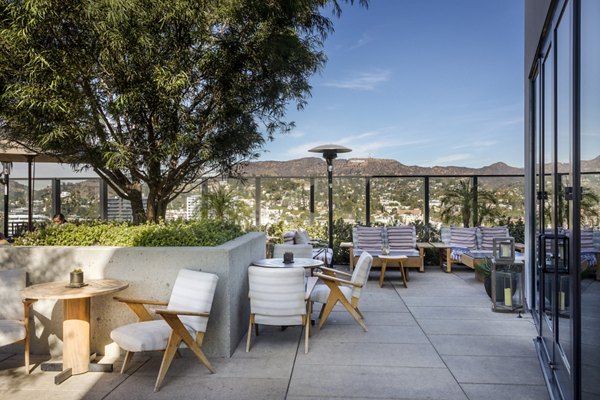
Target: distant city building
{"x": 192, "y": 204}
{"x": 120, "y": 209}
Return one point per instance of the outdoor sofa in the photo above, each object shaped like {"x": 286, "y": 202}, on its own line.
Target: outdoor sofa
{"x": 401, "y": 241}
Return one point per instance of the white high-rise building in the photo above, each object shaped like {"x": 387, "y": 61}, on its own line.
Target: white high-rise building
{"x": 192, "y": 205}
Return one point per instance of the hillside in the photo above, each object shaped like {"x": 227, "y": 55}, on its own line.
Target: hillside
{"x": 314, "y": 166}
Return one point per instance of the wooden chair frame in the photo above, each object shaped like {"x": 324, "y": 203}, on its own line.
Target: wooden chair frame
{"x": 26, "y": 342}
{"x": 178, "y": 334}
{"x": 329, "y": 278}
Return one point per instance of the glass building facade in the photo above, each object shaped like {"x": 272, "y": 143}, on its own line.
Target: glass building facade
{"x": 562, "y": 65}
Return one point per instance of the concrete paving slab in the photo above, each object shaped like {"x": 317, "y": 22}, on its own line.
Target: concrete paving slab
{"x": 374, "y": 382}
{"x": 477, "y": 328}
{"x": 343, "y": 317}
{"x": 460, "y": 313}
{"x": 376, "y": 334}
{"x": 213, "y": 388}
{"x": 458, "y": 345}
{"x": 371, "y": 354}
{"x": 446, "y": 301}
{"x": 495, "y": 370}
{"x": 503, "y": 392}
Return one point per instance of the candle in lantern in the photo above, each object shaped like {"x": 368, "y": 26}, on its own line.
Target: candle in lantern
{"x": 507, "y": 297}
{"x": 561, "y": 301}
{"x": 504, "y": 250}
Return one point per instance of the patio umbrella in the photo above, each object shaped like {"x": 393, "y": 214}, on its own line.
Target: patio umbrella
{"x": 12, "y": 152}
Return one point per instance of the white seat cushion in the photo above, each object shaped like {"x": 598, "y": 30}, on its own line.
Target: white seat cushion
{"x": 11, "y": 331}
{"x": 321, "y": 292}
{"x": 144, "y": 336}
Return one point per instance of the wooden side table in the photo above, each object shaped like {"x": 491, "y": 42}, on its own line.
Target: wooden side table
{"x": 76, "y": 319}
{"x": 384, "y": 263}
{"x": 444, "y": 247}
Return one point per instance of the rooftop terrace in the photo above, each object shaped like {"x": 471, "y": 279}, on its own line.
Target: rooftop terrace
{"x": 436, "y": 339}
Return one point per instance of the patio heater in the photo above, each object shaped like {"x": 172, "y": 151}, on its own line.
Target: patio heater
{"x": 4, "y": 179}
{"x": 329, "y": 152}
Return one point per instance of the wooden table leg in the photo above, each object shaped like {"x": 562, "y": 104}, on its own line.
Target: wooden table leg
{"x": 383, "y": 268}
{"x": 76, "y": 335}
{"x": 403, "y": 272}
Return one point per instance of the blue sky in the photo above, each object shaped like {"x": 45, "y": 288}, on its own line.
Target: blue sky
{"x": 424, "y": 82}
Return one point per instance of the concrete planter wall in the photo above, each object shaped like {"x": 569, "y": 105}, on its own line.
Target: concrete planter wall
{"x": 151, "y": 272}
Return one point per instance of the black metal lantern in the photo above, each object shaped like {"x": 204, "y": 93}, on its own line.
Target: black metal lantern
{"x": 508, "y": 278}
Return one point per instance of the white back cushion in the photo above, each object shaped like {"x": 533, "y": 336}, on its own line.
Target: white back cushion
{"x": 276, "y": 292}
{"x": 369, "y": 238}
{"x": 488, "y": 235}
{"x": 193, "y": 291}
{"x": 301, "y": 237}
{"x": 463, "y": 237}
{"x": 11, "y": 283}
{"x": 299, "y": 250}
{"x": 361, "y": 272}
{"x": 401, "y": 237}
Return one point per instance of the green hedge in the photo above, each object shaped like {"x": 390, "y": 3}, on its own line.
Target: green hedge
{"x": 98, "y": 233}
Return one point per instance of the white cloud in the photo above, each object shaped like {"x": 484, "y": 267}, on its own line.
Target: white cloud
{"x": 452, "y": 158}
{"x": 381, "y": 143}
{"x": 480, "y": 143}
{"x": 362, "y": 80}
{"x": 296, "y": 134}
{"x": 364, "y": 39}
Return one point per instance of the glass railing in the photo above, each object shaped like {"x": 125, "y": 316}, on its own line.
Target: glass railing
{"x": 438, "y": 200}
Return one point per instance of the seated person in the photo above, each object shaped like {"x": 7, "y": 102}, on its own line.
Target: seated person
{"x": 58, "y": 219}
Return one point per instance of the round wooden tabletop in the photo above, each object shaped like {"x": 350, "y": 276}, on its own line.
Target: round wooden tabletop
{"x": 62, "y": 290}
{"x": 298, "y": 263}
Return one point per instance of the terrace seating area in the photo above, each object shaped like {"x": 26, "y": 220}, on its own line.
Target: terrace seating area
{"x": 436, "y": 339}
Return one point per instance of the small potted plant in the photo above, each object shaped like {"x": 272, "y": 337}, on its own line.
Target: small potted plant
{"x": 484, "y": 270}
{"x": 76, "y": 277}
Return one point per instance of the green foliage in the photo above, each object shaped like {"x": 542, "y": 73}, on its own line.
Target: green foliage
{"x": 342, "y": 232}
{"x": 96, "y": 233}
{"x": 162, "y": 93}
{"x": 516, "y": 229}
{"x": 484, "y": 268}
{"x": 458, "y": 205}
{"x": 426, "y": 232}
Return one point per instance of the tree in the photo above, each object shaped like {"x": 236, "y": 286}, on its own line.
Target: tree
{"x": 457, "y": 203}
{"x": 158, "y": 92}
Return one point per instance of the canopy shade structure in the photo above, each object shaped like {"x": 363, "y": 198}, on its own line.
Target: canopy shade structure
{"x": 12, "y": 152}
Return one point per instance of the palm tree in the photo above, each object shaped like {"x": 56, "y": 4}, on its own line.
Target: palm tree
{"x": 217, "y": 203}
{"x": 457, "y": 203}
{"x": 589, "y": 201}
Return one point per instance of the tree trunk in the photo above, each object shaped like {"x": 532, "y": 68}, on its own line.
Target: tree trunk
{"x": 137, "y": 207}
{"x": 156, "y": 208}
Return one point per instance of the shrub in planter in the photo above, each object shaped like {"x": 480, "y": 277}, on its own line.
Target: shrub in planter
{"x": 99, "y": 233}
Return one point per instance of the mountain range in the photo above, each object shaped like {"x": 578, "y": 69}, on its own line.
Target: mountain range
{"x": 314, "y": 166}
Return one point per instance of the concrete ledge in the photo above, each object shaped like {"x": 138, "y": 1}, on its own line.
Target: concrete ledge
{"x": 151, "y": 272}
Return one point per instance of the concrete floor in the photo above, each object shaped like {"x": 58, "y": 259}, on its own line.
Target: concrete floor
{"x": 438, "y": 339}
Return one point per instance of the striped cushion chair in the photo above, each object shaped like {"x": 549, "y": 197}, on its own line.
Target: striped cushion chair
{"x": 365, "y": 238}
{"x": 14, "y": 313}
{"x": 184, "y": 320}
{"x": 343, "y": 290}
{"x": 461, "y": 241}
{"x": 279, "y": 296}
{"x": 485, "y": 245}
{"x": 402, "y": 240}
